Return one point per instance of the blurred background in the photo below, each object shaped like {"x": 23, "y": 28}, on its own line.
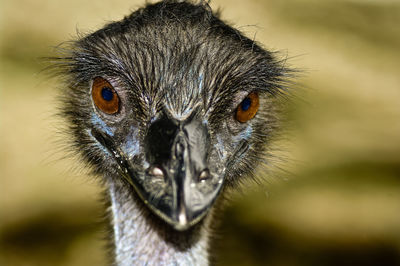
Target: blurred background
{"x": 338, "y": 200}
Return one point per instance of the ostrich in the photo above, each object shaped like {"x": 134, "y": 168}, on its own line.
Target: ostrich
{"x": 173, "y": 108}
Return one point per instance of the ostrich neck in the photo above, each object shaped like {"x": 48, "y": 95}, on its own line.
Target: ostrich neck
{"x": 140, "y": 238}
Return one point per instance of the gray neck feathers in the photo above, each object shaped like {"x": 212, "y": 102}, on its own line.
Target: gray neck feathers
{"x": 140, "y": 238}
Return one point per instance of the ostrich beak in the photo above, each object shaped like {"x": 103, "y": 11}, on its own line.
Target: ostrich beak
{"x": 178, "y": 186}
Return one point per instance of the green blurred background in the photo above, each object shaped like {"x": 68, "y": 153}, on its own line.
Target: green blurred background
{"x": 337, "y": 202}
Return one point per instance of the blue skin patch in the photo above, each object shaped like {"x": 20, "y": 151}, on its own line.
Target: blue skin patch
{"x": 246, "y": 134}
{"x": 246, "y": 104}
{"x": 107, "y": 94}
{"x": 99, "y": 123}
{"x": 131, "y": 146}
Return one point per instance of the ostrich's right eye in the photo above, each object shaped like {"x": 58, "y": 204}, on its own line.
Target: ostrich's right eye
{"x": 104, "y": 96}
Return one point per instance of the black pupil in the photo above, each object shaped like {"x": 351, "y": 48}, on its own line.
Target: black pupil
{"x": 246, "y": 104}
{"x": 107, "y": 94}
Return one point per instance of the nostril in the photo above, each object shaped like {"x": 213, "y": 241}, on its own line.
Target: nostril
{"x": 204, "y": 175}
{"x": 156, "y": 171}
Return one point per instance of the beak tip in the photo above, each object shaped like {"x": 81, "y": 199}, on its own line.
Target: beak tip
{"x": 182, "y": 223}
{"x": 182, "y": 219}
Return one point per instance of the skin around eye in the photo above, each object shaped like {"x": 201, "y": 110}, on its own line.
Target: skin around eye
{"x": 248, "y": 108}
{"x": 104, "y": 96}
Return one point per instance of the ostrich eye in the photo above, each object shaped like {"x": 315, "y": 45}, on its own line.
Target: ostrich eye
{"x": 248, "y": 108}
{"x": 104, "y": 96}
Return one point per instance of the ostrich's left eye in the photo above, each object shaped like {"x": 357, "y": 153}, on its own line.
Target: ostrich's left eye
{"x": 104, "y": 96}
{"x": 248, "y": 108}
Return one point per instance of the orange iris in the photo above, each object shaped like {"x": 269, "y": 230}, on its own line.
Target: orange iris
{"x": 104, "y": 96}
{"x": 248, "y": 108}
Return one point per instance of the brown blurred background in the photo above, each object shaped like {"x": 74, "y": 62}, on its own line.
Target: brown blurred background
{"x": 338, "y": 202}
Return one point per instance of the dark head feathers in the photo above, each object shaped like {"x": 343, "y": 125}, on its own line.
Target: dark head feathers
{"x": 165, "y": 42}
{"x": 174, "y": 55}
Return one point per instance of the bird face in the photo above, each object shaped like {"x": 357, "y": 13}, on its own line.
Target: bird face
{"x": 176, "y": 104}
{"x": 176, "y": 162}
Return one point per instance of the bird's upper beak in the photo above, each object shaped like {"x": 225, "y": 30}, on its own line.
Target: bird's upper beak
{"x": 179, "y": 185}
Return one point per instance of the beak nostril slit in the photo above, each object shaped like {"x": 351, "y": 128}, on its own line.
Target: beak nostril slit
{"x": 156, "y": 171}
{"x": 204, "y": 175}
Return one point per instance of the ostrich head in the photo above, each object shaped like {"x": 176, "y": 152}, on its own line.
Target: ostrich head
{"x": 173, "y": 103}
